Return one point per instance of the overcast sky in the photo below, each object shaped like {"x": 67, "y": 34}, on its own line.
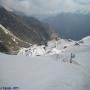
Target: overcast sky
{"x": 46, "y": 7}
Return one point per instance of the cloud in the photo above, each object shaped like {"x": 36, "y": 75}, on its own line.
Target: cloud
{"x": 46, "y": 7}
{"x": 83, "y": 2}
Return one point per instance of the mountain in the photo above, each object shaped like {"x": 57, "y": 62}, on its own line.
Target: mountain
{"x": 10, "y": 42}
{"x": 22, "y": 31}
{"x": 71, "y": 25}
{"x": 55, "y": 47}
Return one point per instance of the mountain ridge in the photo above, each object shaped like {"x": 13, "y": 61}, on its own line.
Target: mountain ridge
{"x": 25, "y": 30}
{"x": 71, "y": 25}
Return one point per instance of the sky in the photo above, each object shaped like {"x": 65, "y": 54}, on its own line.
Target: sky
{"x": 46, "y": 7}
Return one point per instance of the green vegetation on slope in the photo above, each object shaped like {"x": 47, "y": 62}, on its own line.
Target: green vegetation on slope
{"x": 12, "y": 44}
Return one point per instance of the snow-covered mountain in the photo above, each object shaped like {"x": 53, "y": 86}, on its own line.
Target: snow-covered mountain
{"x": 52, "y": 70}
{"x": 54, "y": 47}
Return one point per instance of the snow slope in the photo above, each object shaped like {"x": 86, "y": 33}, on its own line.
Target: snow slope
{"x": 86, "y": 40}
{"x": 54, "y": 47}
{"x": 51, "y": 72}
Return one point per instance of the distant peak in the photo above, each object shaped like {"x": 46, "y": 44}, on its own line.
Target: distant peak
{"x": 2, "y": 9}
